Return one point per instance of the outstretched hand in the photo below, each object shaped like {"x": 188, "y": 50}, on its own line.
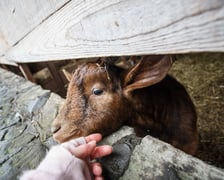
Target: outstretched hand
{"x": 89, "y": 152}
{"x": 74, "y": 160}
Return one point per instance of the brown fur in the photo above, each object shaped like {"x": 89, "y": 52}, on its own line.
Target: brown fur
{"x": 143, "y": 96}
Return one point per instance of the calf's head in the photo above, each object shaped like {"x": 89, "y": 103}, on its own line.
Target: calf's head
{"x": 99, "y": 96}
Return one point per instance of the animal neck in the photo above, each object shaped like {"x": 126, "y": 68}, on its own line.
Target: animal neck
{"x": 147, "y": 104}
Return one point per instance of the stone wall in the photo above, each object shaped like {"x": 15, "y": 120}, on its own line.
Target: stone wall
{"x": 26, "y": 112}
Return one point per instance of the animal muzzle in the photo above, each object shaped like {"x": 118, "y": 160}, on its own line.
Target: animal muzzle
{"x": 65, "y": 133}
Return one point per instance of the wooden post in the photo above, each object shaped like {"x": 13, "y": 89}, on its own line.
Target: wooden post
{"x": 55, "y": 74}
{"x": 24, "y": 68}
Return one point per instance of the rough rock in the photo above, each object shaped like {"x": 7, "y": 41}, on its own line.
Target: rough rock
{"x": 26, "y": 112}
{"x": 116, "y": 164}
{"x": 154, "y": 159}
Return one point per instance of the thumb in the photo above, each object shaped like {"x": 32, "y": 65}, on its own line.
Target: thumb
{"x": 84, "y": 151}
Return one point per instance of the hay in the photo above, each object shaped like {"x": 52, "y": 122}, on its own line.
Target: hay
{"x": 203, "y": 76}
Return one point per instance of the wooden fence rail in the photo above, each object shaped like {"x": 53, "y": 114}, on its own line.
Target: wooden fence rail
{"x": 96, "y": 28}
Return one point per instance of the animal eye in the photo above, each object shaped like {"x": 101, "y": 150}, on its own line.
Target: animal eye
{"x": 97, "y": 91}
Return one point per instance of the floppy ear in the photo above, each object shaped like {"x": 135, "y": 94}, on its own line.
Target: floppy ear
{"x": 148, "y": 71}
{"x": 67, "y": 74}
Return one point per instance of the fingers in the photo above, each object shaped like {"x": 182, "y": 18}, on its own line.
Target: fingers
{"x": 101, "y": 151}
{"x": 85, "y": 148}
{"x": 83, "y": 151}
{"x": 73, "y": 143}
{"x": 93, "y": 137}
{"x": 90, "y": 149}
{"x": 99, "y": 178}
{"x": 97, "y": 171}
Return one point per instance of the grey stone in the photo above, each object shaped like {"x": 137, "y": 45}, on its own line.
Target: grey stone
{"x": 26, "y": 112}
{"x": 115, "y": 164}
{"x": 154, "y": 159}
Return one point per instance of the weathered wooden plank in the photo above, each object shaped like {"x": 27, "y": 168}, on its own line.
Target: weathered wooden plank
{"x": 18, "y": 18}
{"x": 125, "y": 27}
{"x": 3, "y": 60}
{"x": 3, "y": 43}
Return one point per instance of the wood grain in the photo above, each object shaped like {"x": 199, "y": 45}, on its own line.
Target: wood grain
{"x": 125, "y": 27}
{"x": 3, "y": 60}
{"x": 18, "y": 18}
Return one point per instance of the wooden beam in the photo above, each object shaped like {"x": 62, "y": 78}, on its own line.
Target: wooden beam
{"x": 4, "y": 60}
{"x": 24, "y": 68}
{"x": 55, "y": 74}
{"x": 125, "y": 27}
{"x": 4, "y": 67}
{"x": 18, "y": 18}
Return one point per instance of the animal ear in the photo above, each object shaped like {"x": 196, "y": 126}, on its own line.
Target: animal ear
{"x": 148, "y": 71}
{"x": 67, "y": 74}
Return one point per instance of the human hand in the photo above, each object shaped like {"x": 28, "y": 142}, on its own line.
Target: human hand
{"x": 89, "y": 152}
{"x": 71, "y": 160}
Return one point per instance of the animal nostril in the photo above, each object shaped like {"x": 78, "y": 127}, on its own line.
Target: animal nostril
{"x": 55, "y": 129}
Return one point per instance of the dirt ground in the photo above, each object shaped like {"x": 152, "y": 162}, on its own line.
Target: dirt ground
{"x": 203, "y": 76}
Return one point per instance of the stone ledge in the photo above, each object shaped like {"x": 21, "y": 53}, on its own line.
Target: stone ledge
{"x": 154, "y": 159}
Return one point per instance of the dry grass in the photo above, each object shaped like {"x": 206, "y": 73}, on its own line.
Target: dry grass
{"x": 203, "y": 76}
